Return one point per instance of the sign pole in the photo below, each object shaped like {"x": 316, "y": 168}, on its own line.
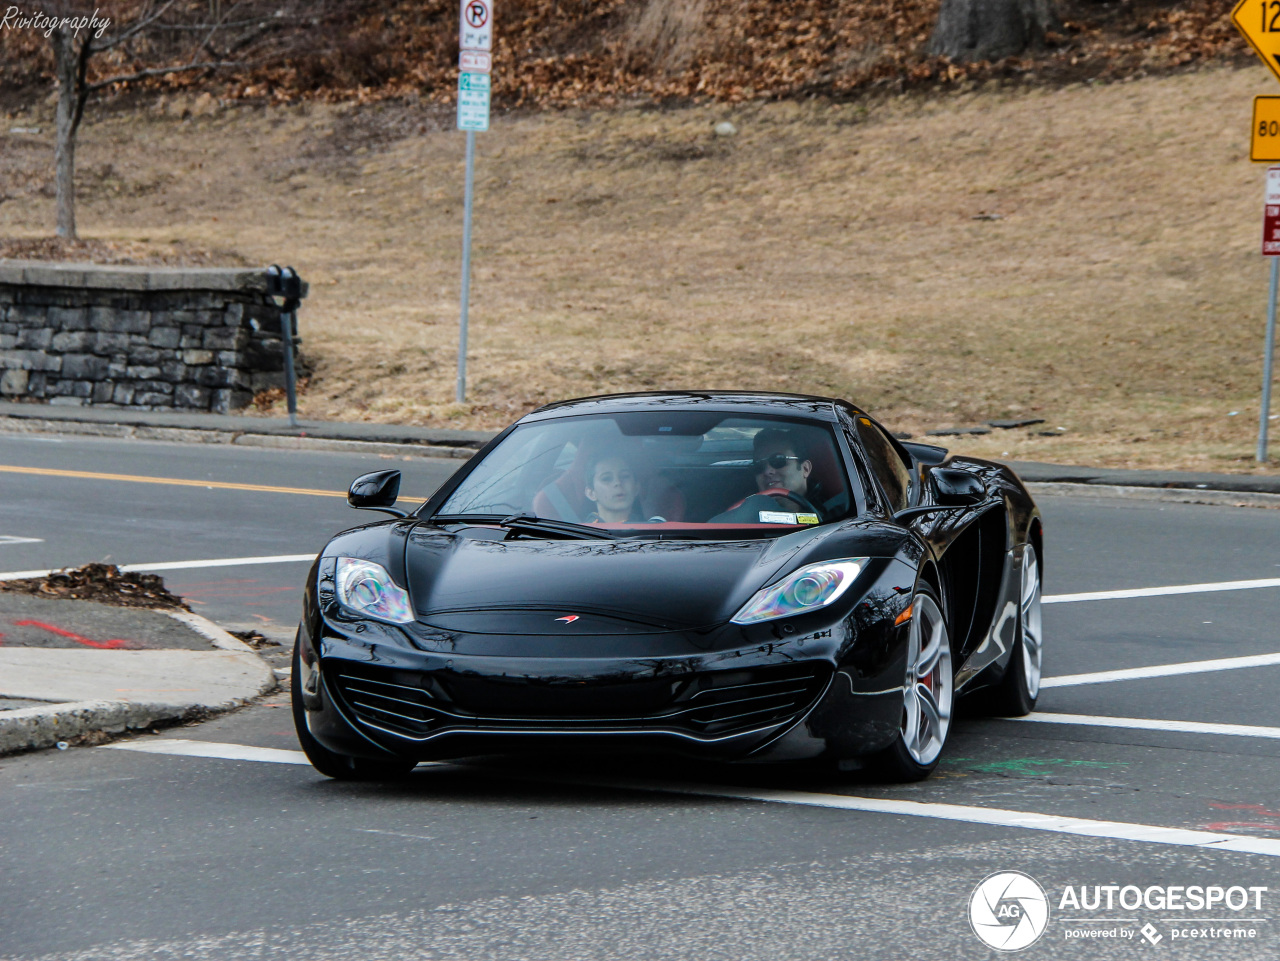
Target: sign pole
{"x": 475, "y": 60}
{"x": 1267, "y": 358}
{"x": 466, "y": 268}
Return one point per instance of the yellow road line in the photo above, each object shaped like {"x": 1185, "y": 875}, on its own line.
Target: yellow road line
{"x": 174, "y": 481}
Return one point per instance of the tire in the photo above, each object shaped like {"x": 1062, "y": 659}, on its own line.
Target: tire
{"x": 1016, "y": 693}
{"x": 928, "y": 694}
{"x": 340, "y": 767}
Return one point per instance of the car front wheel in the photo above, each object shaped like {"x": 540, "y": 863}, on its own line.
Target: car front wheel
{"x": 928, "y": 690}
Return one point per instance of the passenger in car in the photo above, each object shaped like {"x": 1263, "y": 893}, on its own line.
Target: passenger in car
{"x": 613, "y": 488}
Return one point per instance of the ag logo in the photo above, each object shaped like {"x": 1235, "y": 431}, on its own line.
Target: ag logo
{"x": 1008, "y": 911}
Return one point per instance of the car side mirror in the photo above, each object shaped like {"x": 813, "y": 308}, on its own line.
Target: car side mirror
{"x": 376, "y": 492}
{"x": 958, "y": 488}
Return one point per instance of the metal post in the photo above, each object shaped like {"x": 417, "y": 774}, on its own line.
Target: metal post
{"x": 1267, "y": 356}
{"x": 287, "y": 321}
{"x": 466, "y": 268}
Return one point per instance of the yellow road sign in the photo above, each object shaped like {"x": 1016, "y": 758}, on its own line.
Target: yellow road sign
{"x": 1259, "y": 21}
{"x": 1264, "y": 144}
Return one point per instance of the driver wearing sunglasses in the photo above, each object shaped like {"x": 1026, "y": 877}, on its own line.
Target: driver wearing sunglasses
{"x": 782, "y": 479}
{"x": 777, "y": 466}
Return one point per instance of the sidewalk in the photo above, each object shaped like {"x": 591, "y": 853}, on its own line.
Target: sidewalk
{"x": 438, "y": 442}
{"x": 233, "y": 429}
{"x": 71, "y": 667}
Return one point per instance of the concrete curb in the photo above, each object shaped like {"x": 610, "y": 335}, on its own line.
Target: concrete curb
{"x": 206, "y": 628}
{"x": 1176, "y": 495}
{"x": 180, "y": 435}
{"x": 34, "y": 728}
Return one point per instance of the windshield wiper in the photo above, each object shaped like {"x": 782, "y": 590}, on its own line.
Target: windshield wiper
{"x": 528, "y": 523}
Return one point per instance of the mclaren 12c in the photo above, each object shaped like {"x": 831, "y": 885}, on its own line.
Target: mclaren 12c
{"x": 723, "y": 575}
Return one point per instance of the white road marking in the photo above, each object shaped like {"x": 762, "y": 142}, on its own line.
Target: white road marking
{"x": 1162, "y": 591}
{"x": 222, "y": 750}
{"x": 1162, "y": 670}
{"x": 15, "y": 539}
{"x": 182, "y": 565}
{"x": 1151, "y": 724}
{"x": 215, "y": 749}
{"x": 221, "y": 562}
{"x": 994, "y": 817}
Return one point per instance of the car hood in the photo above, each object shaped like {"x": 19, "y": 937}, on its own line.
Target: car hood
{"x": 467, "y": 581}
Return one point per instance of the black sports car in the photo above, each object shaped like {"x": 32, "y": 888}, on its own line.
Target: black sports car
{"x": 734, "y": 576}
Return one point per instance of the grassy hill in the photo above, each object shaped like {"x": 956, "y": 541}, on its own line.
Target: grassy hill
{"x": 1085, "y": 253}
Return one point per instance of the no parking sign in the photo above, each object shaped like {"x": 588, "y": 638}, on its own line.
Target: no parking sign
{"x": 475, "y": 25}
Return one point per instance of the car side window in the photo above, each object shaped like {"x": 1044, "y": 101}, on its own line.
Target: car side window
{"x": 894, "y": 476}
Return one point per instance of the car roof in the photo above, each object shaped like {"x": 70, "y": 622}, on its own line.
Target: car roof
{"x": 729, "y": 401}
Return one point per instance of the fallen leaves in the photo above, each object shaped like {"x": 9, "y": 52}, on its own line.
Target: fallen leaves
{"x": 103, "y": 583}
{"x": 551, "y": 53}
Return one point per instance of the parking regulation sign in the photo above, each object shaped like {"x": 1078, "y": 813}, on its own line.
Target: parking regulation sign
{"x": 476, "y": 60}
{"x": 1271, "y": 215}
{"x": 473, "y": 100}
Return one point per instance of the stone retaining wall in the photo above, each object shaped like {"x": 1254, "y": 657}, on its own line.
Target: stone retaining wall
{"x": 142, "y": 337}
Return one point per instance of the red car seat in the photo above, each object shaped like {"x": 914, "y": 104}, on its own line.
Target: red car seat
{"x": 826, "y": 472}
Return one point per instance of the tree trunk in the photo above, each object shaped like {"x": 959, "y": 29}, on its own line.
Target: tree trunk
{"x": 970, "y": 30}
{"x": 67, "y": 119}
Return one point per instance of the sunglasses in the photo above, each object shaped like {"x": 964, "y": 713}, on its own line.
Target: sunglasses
{"x": 776, "y": 461}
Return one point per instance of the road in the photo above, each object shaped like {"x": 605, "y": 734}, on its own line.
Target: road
{"x": 147, "y": 849}
{"x": 124, "y": 503}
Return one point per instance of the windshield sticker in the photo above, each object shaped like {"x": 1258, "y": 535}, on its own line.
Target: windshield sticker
{"x": 777, "y": 517}
{"x": 806, "y": 518}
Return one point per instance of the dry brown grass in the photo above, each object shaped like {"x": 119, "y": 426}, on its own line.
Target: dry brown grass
{"x": 826, "y": 248}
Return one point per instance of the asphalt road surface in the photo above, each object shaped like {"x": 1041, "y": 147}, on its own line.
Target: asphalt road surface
{"x": 1148, "y": 776}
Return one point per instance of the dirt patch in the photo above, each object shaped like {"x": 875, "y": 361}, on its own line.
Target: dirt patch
{"x": 103, "y": 583}
{"x": 354, "y": 132}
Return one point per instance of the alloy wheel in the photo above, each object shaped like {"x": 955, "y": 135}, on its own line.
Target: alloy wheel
{"x": 1032, "y": 637}
{"x": 930, "y": 683}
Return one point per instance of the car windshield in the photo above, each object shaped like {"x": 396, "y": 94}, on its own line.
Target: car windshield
{"x": 699, "y": 472}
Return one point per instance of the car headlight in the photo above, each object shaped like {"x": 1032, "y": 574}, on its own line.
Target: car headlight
{"x": 366, "y": 588}
{"x": 807, "y": 589}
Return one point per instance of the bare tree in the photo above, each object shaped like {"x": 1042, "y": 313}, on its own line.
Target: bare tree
{"x": 970, "y": 30}
{"x": 151, "y": 38}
